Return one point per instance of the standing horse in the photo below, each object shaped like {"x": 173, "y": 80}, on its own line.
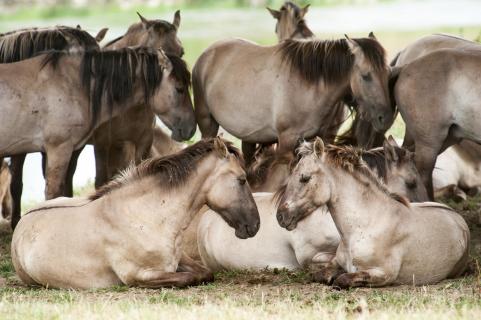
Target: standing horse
{"x": 437, "y": 96}
{"x": 23, "y": 44}
{"x": 97, "y": 85}
{"x": 130, "y": 231}
{"x": 316, "y": 238}
{"x": 290, "y": 22}
{"x": 384, "y": 239}
{"x": 128, "y": 138}
{"x": 235, "y": 77}
{"x": 426, "y": 45}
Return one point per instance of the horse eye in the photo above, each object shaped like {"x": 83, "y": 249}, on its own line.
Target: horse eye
{"x": 304, "y": 178}
{"x": 411, "y": 184}
{"x": 366, "y": 77}
{"x": 242, "y": 181}
{"x": 180, "y": 90}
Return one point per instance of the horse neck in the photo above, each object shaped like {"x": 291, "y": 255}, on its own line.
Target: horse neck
{"x": 147, "y": 201}
{"x": 356, "y": 204}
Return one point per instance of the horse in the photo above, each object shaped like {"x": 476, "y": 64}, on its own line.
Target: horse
{"x": 426, "y": 45}
{"x": 5, "y": 196}
{"x": 130, "y": 231}
{"x": 122, "y": 141}
{"x": 427, "y": 94}
{"x": 290, "y": 22}
{"x": 18, "y": 45}
{"x": 316, "y": 238}
{"x": 384, "y": 239}
{"x": 458, "y": 171}
{"x": 311, "y": 78}
{"x": 98, "y": 85}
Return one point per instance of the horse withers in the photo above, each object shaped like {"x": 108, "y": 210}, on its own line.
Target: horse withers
{"x": 130, "y": 231}
{"x": 384, "y": 239}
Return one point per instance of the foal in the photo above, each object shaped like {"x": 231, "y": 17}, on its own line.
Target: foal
{"x": 384, "y": 240}
{"x": 130, "y": 231}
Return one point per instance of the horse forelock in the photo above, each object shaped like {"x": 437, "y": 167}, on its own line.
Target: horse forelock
{"x": 374, "y": 52}
{"x": 171, "y": 171}
{"x": 180, "y": 70}
{"x": 350, "y": 159}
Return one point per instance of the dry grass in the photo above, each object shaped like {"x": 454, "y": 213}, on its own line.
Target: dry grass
{"x": 244, "y": 295}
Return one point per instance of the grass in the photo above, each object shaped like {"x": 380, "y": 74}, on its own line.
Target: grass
{"x": 279, "y": 294}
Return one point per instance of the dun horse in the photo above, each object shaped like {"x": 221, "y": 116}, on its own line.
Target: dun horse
{"x": 384, "y": 239}
{"x": 290, "y": 22}
{"x": 130, "y": 231}
{"x": 234, "y": 77}
{"x": 128, "y": 138}
{"x": 96, "y": 85}
{"x": 427, "y": 94}
{"x": 316, "y": 238}
{"x": 23, "y": 44}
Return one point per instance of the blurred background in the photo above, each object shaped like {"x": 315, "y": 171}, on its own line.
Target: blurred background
{"x": 396, "y": 23}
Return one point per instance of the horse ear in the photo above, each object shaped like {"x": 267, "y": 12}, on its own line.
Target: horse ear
{"x": 144, "y": 21}
{"x": 276, "y": 14}
{"x": 318, "y": 147}
{"x": 304, "y": 11}
{"x": 79, "y": 27}
{"x": 389, "y": 147}
{"x": 176, "y": 21}
{"x": 353, "y": 46}
{"x": 220, "y": 147}
{"x": 372, "y": 36}
{"x": 101, "y": 35}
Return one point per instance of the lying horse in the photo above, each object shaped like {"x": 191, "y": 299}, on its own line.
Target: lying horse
{"x": 316, "y": 238}
{"x": 96, "y": 85}
{"x": 312, "y": 77}
{"x": 458, "y": 171}
{"x": 290, "y": 22}
{"x": 384, "y": 239}
{"x": 130, "y": 231}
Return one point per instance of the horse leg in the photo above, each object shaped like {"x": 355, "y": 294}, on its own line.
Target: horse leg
{"x": 189, "y": 274}
{"x": 425, "y": 159}
{"x": 207, "y": 124}
{"x": 374, "y": 277}
{"x": 16, "y": 187}
{"x": 408, "y": 142}
{"x": 58, "y": 159}
{"x": 286, "y": 146}
{"x": 101, "y": 164}
{"x": 72, "y": 166}
{"x": 248, "y": 150}
{"x": 187, "y": 264}
{"x": 326, "y": 272}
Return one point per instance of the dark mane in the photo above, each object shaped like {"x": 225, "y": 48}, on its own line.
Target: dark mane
{"x": 112, "y": 74}
{"x": 157, "y": 25}
{"x": 329, "y": 60}
{"x": 258, "y": 170}
{"x": 350, "y": 159}
{"x": 26, "y": 43}
{"x": 171, "y": 171}
{"x": 180, "y": 70}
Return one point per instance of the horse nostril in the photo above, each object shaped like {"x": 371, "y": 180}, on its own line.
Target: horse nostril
{"x": 380, "y": 119}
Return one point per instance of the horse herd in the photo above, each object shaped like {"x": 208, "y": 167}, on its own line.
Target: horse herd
{"x": 354, "y": 206}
